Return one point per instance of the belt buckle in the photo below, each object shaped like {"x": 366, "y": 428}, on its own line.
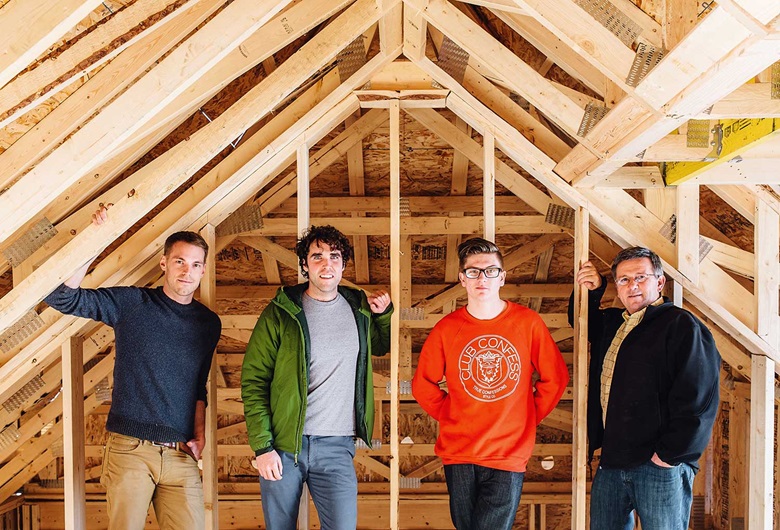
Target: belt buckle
{"x": 169, "y": 445}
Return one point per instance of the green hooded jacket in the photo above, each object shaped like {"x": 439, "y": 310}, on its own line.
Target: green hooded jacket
{"x": 275, "y": 373}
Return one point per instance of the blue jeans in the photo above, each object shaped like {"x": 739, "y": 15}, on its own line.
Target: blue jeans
{"x": 661, "y": 496}
{"x": 482, "y": 498}
{"x": 325, "y": 465}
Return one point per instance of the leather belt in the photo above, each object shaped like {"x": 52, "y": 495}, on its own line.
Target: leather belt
{"x": 170, "y": 445}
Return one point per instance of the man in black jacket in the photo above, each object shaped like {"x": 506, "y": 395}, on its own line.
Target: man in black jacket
{"x": 652, "y": 399}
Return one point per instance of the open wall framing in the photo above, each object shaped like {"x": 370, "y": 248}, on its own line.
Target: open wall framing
{"x": 409, "y": 125}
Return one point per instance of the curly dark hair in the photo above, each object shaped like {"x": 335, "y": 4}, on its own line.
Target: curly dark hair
{"x": 322, "y": 234}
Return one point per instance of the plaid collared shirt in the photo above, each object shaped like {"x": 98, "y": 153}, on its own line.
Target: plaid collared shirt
{"x": 608, "y": 368}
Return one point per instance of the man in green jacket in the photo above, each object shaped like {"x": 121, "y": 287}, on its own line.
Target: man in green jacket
{"x": 307, "y": 385}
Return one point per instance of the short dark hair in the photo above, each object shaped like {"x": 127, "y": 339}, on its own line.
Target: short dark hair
{"x": 322, "y": 234}
{"x": 193, "y": 238}
{"x": 638, "y": 253}
{"x": 477, "y": 245}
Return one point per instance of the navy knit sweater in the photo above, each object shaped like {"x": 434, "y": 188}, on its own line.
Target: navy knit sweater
{"x": 163, "y": 355}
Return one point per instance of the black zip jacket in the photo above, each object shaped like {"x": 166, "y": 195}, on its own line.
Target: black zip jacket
{"x": 665, "y": 388}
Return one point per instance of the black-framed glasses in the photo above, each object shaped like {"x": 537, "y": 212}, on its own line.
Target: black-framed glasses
{"x": 639, "y": 278}
{"x": 472, "y": 273}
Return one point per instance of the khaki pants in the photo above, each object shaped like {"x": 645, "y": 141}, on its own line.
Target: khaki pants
{"x": 137, "y": 474}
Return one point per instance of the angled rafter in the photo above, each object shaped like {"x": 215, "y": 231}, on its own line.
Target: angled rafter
{"x": 683, "y": 83}
{"x": 132, "y": 110}
{"x": 29, "y": 28}
{"x": 24, "y": 92}
{"x": 185, "y": 158}
{"x": 97, "y": 91}
{"x": 500, "y": 61}
{"x": 515, "y": 146}
{"x": 210, "y": 200}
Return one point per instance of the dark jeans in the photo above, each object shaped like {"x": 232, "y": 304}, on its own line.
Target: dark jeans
{"x": 482, "y": 498}
{"x": 325, "y": 464}
{"x": 661, "y": 496}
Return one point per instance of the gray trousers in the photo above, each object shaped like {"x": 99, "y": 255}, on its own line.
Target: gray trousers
{"x": 325, "y": 465}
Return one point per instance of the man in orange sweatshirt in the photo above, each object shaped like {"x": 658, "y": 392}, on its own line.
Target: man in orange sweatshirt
{"x": 488, "y": 352}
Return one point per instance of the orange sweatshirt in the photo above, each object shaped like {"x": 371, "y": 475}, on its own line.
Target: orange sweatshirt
{"x": 489, "y": 415}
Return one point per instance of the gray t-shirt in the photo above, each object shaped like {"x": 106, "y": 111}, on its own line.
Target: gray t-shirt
{"x": 334, "y": 349}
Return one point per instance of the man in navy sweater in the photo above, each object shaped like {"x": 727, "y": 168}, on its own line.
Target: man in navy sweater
{"x": 653, "y": 396}
{"x": 165, "y": 341}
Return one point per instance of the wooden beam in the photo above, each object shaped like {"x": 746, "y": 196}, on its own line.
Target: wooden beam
{"x": 687, "y": 241}
{"x": 458, "y": 188}
{"x": 86, "y": 55}
{"x": 29, "y": 28}
{"x": 357, "y": 188}
{"x": 415, "y": 34}
{"x": 208, "y": 296}
{"x": 579, "y": 414}
{"x": 73, "y": 432}
{"x": 391, "y": 29}
{"x": 214, "y": 196}
{"x": 753, "y": 100}
{"x": 132, "y": 110}
{"x": 739, "y": 171}
{"x": 499, "y": 60}
{"x": 99, "y": 90}
{"x": 683, "y": 84}
{"x": 395, "y": 289}
{"x": 762, "y": 387}
{"x": 581, "y": 32}
{"x": 302, "y": 185}
{"x": 274, "y": 35}
{"x": 166, "y": 173}
{"x": 530, "y": 159}
{"x": 505, "y": 224}
{"x": 554, "y": 48}
{"x": 489, "y": 186}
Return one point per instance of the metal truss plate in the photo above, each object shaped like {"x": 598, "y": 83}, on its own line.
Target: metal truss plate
{"x": 20, "y": 330}
{"x": 560, "y": 215}
{"x": 244, "y": 219}
{"x": 412, "y": 313}
{"x": 698, "y": 134}
{"x": 29, "y": 242}
{"x": 23, "y": 394}
{"x": 669, "y": 229}
{"x": 775, "y": 90}
{"x": 646, "y": 58}
{"x": 351, "y": 59}
{"x": 613, "y": 19}
{"x": 593, "y": 114}
{"x": 453, "y": 59}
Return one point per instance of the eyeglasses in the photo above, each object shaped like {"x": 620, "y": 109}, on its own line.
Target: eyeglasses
{"x": 639, "y": 278}
{"x": 472, "y": 273}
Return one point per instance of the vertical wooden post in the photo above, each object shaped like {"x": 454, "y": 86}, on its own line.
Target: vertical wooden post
{"x": 739, "y": 447}
{"x": 302, "y": 200}
{"x": 762, "y": 388}
{"x": 489, "y": 185}
{"x": 302, "y": 183}
{"x": 395, "y": 293}
{"x": 208, "y": 297}
{"x": 73, "y": 432}
{"x": 579, "y": 432}
{"x": 405, "y": 344}
{"x": 688, "y": 231}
